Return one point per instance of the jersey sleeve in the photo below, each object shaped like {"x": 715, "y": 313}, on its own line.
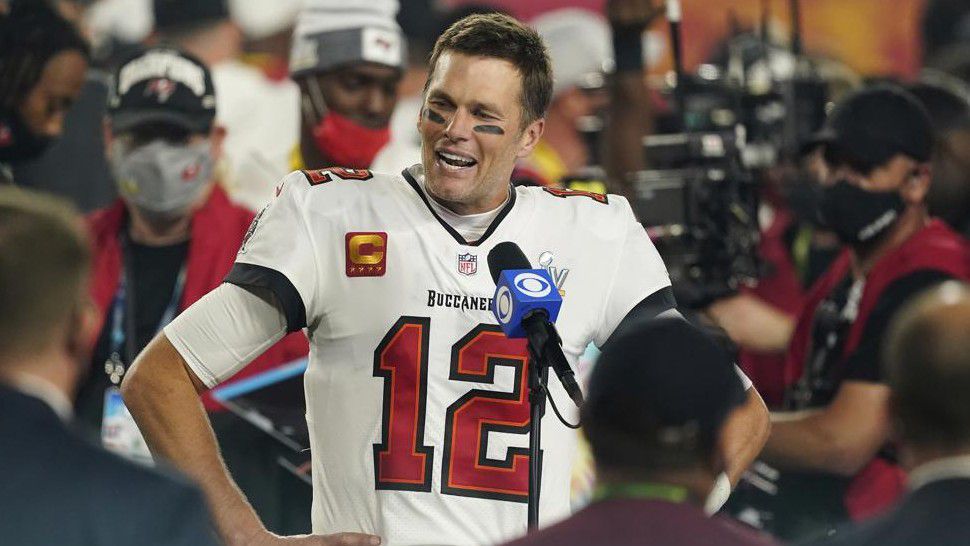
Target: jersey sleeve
{"x": 225, "y": 330}
{"x": 278, "y": 252}
{"x": 639, "y": 280}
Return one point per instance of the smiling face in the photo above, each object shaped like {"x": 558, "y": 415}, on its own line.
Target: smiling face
{"x": 473, "y": 130}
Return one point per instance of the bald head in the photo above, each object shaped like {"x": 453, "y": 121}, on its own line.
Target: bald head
{"x": 928, "y": 366}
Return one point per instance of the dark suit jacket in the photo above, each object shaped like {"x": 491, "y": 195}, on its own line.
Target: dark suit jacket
{"x": 933, "y": 515}
{"x": 56, "y": 488}
{"x": 642, "y": 522}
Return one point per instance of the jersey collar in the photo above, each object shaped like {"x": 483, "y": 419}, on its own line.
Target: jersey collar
{"x": 457, "y": 236}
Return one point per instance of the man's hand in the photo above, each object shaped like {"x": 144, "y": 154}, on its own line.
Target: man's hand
{"x": 633, "y": 13}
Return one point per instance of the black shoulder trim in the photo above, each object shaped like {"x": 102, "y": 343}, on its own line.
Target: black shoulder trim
{"x": 648, "y": 308}
{"x": 263, "y": 277}
{"x": 457, "y": 236}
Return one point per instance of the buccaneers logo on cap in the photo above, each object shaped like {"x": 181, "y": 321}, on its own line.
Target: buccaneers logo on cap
{"x": 162, "y": 87}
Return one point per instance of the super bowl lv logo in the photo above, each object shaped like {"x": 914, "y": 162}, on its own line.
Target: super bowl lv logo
{"x": 366, "y": 254}
{"x": 558, "y": 274}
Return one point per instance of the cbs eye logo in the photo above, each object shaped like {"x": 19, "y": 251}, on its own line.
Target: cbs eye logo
{"x": 532, "y": 285}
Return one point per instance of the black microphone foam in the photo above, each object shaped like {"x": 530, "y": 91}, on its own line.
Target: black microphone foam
{"x": 506, "y": 255}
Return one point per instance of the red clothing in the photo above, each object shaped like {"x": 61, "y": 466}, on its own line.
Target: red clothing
{"x": 935, "y": 248}
{"x": 643, "y": 522}
{"x": 217, "y": 231}
{"x": 781, "y": 289}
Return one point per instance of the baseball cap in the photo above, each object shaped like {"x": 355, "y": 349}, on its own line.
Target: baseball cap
{"x": 662, "y": 376}
{"x": 579, "y": 46}
{"x": 871, "y": 125}
{"x": 162, "y": 84}
{"x": 176, "y": 14}
{"x": 331, "y": 33}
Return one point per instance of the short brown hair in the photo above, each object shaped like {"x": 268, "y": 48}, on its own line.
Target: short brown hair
{"x": 927, "y": 353}
{"x": 502, "y": 37}
{"x": 44, "y": 263}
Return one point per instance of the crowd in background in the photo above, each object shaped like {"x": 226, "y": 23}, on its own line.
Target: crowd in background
{"x": 854, "y": 341}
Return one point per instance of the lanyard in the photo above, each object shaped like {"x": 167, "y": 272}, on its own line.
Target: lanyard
{"x": 123, "y": 319}
{"x": 640, "y": 490}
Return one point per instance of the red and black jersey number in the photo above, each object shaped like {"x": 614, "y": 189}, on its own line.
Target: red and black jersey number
{"x": 465, "y": 469}
{"x": 560, "y": 192}
{"x": 401, "y": 461}
{"x": 322, "y": 176}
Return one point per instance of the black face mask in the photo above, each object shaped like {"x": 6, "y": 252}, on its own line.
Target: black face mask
{"x": 17, "y": 142}
{"x": 857, "y": 216}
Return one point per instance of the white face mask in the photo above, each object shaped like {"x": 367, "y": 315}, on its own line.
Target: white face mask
{"x": 160, "y": 178}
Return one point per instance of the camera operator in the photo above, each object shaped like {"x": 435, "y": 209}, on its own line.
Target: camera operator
{"x": 835, "y": 458}
{"x": 43, "y": 60}
{"x": 348, "y": 58}
{"x": 796, "y": 250}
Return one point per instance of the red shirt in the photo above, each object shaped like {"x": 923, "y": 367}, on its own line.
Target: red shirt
{"x": 217, "y": 231}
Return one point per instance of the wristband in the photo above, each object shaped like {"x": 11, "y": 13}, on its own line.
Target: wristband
{"x": 628, "y": 48}
{"x": 719, "y": 494}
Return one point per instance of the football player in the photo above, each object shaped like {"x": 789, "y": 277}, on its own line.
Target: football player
{"x": 417, "y": 403}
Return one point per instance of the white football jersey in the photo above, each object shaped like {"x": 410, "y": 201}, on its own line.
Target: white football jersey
{"x": 417, "y": 403}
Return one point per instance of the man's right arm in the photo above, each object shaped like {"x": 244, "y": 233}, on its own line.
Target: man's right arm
{"x": 220, "y": 333}
{"x": 163, "y": 397}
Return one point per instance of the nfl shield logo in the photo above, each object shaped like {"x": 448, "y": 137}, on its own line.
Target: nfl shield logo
{"x": 467, "y": 264}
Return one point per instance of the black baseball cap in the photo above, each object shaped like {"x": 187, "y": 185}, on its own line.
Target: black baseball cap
{"x": 869, "y": 126}
{"x": 662, "y": 375}
{"x": 162, "y": 85}
{"x": 173, "y": 15}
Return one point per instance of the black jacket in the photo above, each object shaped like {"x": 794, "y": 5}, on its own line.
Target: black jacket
{"x": 56, "y": 488}
{"x": 933, "y": 515}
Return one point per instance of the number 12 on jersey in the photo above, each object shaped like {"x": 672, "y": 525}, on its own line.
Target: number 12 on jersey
{"x": 403, "y": 462}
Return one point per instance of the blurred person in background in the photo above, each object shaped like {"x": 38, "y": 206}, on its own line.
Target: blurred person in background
{"x": 655, "y": 408}
{"x": 260, "y": 114}
{"x": 80, "y": 145}
{"x": 833, "y": 445}
{"x": 601, "y": 106}
{"x": 579, "y": 48}
{"x": 928, "y": 368}
{"x": 268, "y": 30}
{"x": 57, "y": 488}
{"x": 348, "y": 58}
{"x": 166, "y": 242}
{"x": 947, "y": 100}
{"x": 43, "y": 60}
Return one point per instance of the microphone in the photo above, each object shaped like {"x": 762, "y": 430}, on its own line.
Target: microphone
{"x": 526, "y": 304}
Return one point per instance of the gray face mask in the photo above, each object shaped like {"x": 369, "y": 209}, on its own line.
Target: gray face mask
{"x": 160, "y": 178}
